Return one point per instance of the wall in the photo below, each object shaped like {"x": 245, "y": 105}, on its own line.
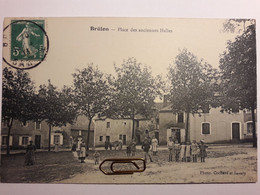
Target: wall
{"x": 117, "y": 127}
{"x": 220, "y": 125}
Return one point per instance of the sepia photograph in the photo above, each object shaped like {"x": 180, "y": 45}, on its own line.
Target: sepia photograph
{"x": 110, "y": 100}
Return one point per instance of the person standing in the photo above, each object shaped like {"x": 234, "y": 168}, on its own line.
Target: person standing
{"x": 133, "y": 147}
{"x": 82, "y": 153}
{"x": 154, "y": 146}
{"x": 188, "y": 152}
{"x": 203, "y": 152}
{"x": 146, "y": 148}
{"x": 96, "y": 157}
{"x": 182, "y": 152}
{"x": 194, "y": 151}
{"x": 170, "y": 145}
{"x": 30, "y": 154}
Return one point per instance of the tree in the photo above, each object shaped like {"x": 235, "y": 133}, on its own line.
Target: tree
{"x": 192, "y": 86}
{"x": 55, "y": 107}
{"x": 18, "y": 91}
{"x": 91, "y": 93}
{"x": 238, "y": 66}
{"x": 135, "y": 90}
{"x": 237, "y": 25}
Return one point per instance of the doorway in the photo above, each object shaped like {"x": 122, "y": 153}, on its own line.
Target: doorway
{"x": 37, "y": 141}
{"x": 124, "y": 139}
{"x": 235, "y": 131}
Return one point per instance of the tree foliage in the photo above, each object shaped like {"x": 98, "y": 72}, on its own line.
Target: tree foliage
{"x": 18, "y": 92}
{"x": 135, "y": 90}
{"x": 193, "y": 83}
{"x": 238, "y": 66}
{"x": 54, "y": 107}
{"x": 91, "y": 93}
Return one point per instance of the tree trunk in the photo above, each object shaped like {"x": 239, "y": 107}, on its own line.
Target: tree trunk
{"x": 89, "y": 124}
{"x": 49, "y": 147}
{"x": 187, "y": 131}
{"x": 133, "y": 127}
{"x": 254, "y": 128}
{"x": 9, "y": 125}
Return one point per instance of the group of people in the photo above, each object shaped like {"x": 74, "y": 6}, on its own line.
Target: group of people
{"x": 188, "y": 152}
{"x": 79, "y": 147}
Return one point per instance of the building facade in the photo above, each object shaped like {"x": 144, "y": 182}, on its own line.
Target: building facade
{"x": 214, "y": 126}
{"x": 38, "y": 132}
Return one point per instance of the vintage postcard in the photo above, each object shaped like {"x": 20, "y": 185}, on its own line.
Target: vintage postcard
{"x": 128, "y": 100}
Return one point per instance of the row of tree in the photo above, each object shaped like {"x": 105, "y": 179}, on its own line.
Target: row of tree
{"x": 194, "y": 85}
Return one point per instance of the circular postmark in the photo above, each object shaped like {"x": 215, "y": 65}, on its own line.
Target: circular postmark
{"x": 25, "y": 43}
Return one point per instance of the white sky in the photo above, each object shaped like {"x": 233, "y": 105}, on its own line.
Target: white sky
{"x": 73, "y": 45}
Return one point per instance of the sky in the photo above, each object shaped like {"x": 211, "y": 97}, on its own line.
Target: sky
{"x": 73, "y": 45}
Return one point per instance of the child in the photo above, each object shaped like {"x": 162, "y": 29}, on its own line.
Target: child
{"x": 128, "y": 150}
{"x": 96, "y": 157}
{"x": 133, "y": 147}
{"x": 182, "y": 152}
{"x": 170, "y": 145}
{"x": 177, "y": 148}
{"x": 203, "y": 152}
{"x": 194, "y": 151}
{"x": 188, "y": 152}
{"x": 146, "y": 148}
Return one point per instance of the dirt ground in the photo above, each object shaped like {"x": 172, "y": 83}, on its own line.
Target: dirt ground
{"x": 229, "y": 163}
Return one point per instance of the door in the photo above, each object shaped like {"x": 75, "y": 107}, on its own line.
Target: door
{"x": 176, "y": 134}
{"x": 124, "y": 139}
{"x": 236, "y": 131}
{"x": 108, "y": 138}
{"x": 38, "y": 141}
{"x": 156, "y": 134}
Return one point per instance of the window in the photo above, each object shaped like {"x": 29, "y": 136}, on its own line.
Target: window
{"x": 4, "y": 140}
{"x": 37, "y": 125}
{"x": 108, "y": 124}
{"x": 249, "y": 127}
{"x": 56, "y": 139}
{"x": 205, "y": 128}
{"x": 120, "y": 136}
{"x": 100, "y": 138}
{"x": 80, "y": 132}
{"x": 180, "y": 118}
{"x": 25, "y": 140}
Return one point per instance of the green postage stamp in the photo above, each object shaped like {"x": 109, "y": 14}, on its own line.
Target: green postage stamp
{"x": 25, "y": 43}
{"x": 27, "y": 40}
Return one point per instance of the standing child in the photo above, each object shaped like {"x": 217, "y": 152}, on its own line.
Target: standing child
{"x": 96, "y": 157}
{"x": 170, "y": 145}
{"x": 177, "y": 149}
{"x": 154, "y": 146}
{"x": 188, "y": 152}
{"x": 194, "y": 151}
{"x": 146, "y": 148}
{"x": 182, "y": 152}
{"x": 133, "y": 147}
{"x": 203, "y": 152}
